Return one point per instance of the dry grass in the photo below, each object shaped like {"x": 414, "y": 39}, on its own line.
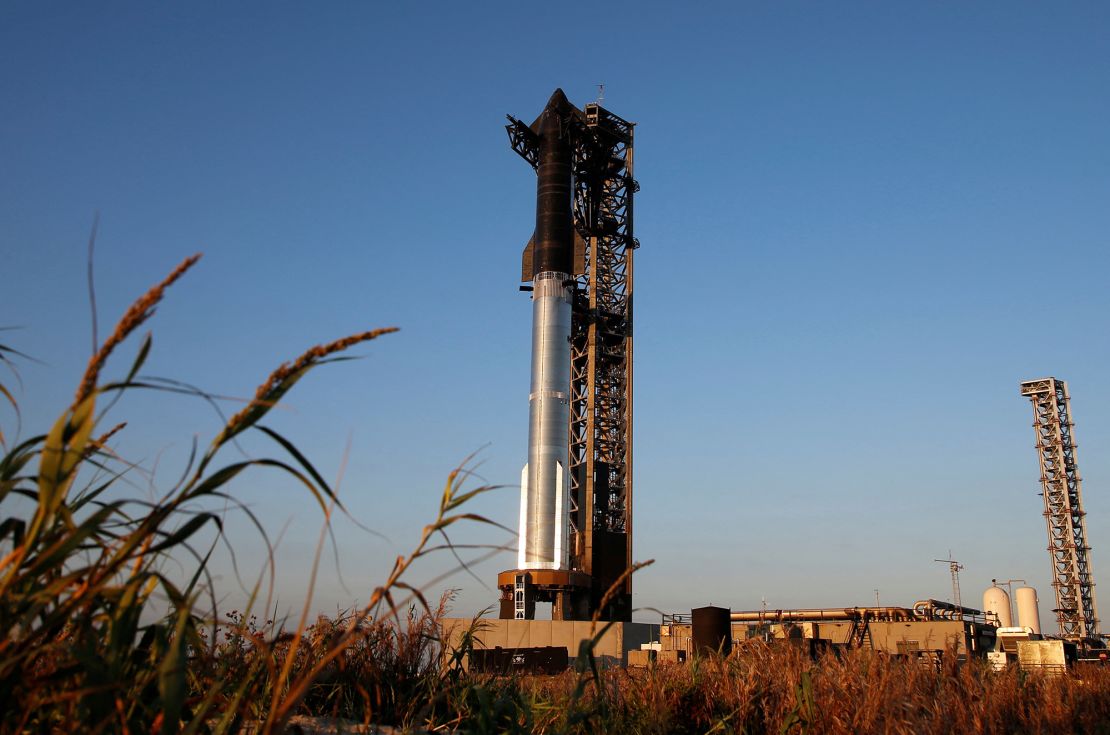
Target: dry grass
{"x": 765, "y": 688}
{"x": 81, "y": 574}
{"x": 385, "y": 671}
{"x": 138, "y": 313}
{"x": 287, "y": 374}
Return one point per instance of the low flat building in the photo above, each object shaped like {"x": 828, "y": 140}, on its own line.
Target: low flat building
{"x": 610, "y": 650}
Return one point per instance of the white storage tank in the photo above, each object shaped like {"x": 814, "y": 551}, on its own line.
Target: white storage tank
{"x": 1028, "y": 611}
{"x": 995, "y": 600}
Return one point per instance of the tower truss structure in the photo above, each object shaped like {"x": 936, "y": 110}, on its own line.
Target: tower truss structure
{"x": 1076, "y": 612}
{"x": 599, "y": 453}
{"x": 601, "y": 363}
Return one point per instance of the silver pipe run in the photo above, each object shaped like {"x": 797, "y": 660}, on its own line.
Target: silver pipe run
{"x": 826, "y": 613}
{"x": 545, "y": 482}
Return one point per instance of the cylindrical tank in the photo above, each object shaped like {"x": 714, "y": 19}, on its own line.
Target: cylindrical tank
{"x": 545, "y": 482}
{"x": 1028, "y": 612}
{"x": 711, "y": 629}
{"x": 995, "y": 600}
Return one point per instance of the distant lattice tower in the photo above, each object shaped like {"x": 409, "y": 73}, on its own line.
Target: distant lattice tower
{"x": 1063, "y": 509}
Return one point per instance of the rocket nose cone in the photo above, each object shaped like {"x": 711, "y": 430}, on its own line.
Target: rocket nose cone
{"x": 558, "y": 100}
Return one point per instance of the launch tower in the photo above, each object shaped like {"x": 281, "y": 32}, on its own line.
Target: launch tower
{"x": 576, "y": 491}
{"x": 1063, "y": 509}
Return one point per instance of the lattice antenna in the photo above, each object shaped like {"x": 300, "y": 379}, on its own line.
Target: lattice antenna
{"x": 1075, "y": 610}
{"x": 954, "y": 568}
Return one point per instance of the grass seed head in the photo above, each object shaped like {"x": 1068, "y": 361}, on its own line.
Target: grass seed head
{"x": 288, "y": 372}
{"x": 138, "y": 313}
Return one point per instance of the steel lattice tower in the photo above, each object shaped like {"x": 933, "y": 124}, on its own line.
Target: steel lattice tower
{"x": 1075, "y": 610}
{"x": 601, "y": 364}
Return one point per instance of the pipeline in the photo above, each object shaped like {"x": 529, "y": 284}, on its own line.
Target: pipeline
{"x": 935, "y": 609}
{"x": 922, "y": 610}
{"x": 825, "y": 613}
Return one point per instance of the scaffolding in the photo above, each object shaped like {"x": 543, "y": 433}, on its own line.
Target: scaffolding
{"x": 1076, "y": 612}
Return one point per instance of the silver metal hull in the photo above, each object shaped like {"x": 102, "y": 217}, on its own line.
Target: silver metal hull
{"x": 545, "y": 483}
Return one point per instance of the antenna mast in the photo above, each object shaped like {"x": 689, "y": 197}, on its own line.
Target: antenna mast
{"x": 954, "y": 567}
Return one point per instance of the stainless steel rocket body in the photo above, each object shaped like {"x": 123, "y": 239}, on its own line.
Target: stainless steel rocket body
{"x": 545, "y": 484}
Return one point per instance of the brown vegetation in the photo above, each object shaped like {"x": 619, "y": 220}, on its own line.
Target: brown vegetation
{"x": 765, "y": 688}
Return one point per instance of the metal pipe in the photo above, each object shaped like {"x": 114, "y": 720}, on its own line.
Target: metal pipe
{"x": 922, "y": 610}
{"x": 826, "y": 613}
{"x": 930, "y": 609}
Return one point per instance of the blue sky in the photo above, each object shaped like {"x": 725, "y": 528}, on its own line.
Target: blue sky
{"x": 862, "y": 225}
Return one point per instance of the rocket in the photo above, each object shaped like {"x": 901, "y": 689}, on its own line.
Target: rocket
{"x": 545, "y": 480}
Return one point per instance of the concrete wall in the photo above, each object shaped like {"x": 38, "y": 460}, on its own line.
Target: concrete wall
{"x": 925, "y": 635}
{"x": 611, "y": 650}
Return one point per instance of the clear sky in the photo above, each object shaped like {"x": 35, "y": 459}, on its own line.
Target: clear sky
{"x": 862, "y": 225}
